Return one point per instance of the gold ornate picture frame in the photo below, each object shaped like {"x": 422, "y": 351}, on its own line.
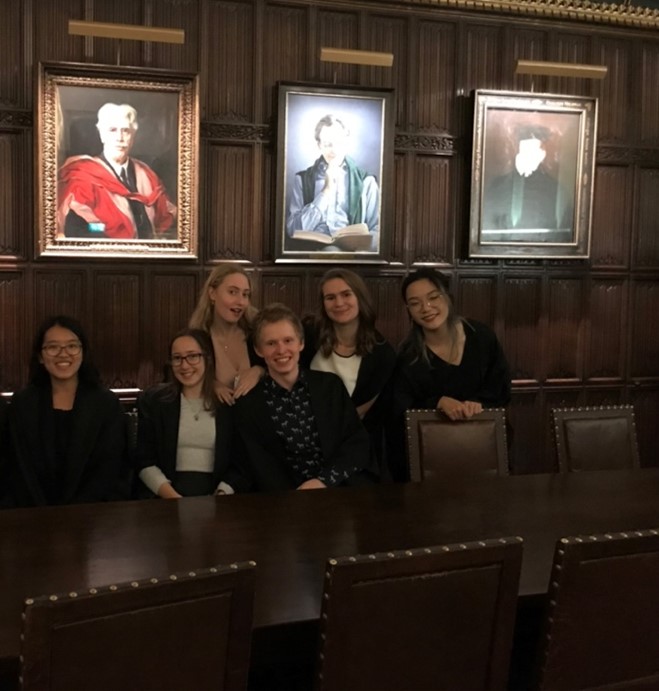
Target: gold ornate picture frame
{"x": 117, "y": 161}
{"x": 533, "y": 165}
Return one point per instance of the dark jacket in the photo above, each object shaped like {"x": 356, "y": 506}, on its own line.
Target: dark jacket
{"x": 95, "y": 457}
{"x": 344, "y": 440}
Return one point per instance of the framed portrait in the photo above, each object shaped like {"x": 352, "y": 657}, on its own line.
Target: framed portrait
{"x": 334, "y": 173}
{"x": 532, "y": 175}
{"x": 117, "y": 152}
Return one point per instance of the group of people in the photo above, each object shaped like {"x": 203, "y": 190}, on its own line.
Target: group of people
{"x": 253, "y": 400}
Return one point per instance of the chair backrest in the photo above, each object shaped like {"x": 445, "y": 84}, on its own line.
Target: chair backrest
{"x": 439, "y": 446}
{"x": 602, "y": 627}
{"x": 598, "y": 438}
{"x": 430, "y": 618}
{"x": 184, "y": 631}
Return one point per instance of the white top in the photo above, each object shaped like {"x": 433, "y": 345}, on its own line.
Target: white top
{"x": 195, "y": 451}
{"x": 347, "y": 367}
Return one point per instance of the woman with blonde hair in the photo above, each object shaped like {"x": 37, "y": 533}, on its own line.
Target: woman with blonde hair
{"x": 224, "y": 311}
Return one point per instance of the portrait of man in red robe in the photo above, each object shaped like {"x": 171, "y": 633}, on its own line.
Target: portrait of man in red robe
{"x": 113, "y": 195}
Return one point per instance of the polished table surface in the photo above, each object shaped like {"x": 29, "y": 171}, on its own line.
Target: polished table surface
{"x": 290, "y": 535}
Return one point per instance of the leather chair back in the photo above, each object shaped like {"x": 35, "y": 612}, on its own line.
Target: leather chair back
{"x": 439, "y": 446}
{"x": 430, "y": 618}
{"x": 598, "y": 438}
{"x": 185, "y": 631}
{"x": 602, "y": 626}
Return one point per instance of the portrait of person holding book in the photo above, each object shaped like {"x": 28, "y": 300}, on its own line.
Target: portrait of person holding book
{"x": 335, "y": 201}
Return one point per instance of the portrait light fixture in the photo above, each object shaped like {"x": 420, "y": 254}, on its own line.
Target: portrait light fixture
{"x": 130, "y": 32}
{"x": 356, "y": 57}
{"x": 561, "y": 69}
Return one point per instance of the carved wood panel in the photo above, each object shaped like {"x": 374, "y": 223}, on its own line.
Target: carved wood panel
{"x": 644, "y": 349}
{"x": 605, "y": 335}
{"x": 646, "y": 253}
{"x": 15, "y": 205}
{"x": 336, "y": 30}
{"x": 616, "y": 106}
{"x": 611, "y": 219}
{"x": 51, "y": 36}
{"x": 647, "y": 106}
{"x": 523, "y": 335}
{"x": 228, "y": 83}
{"x": 476, "y": 298}
{"x": 12, "y": 91}
{"x": 58, "y": 291}
{"x": 15, "y": 343}
{"x": 565, "y": 337}
{"x": 181, "y": 14}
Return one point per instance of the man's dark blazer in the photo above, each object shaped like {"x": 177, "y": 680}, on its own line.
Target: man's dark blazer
{"x": 157, "y": 433}
{"x": 96, "y": 453}
{"x": 343, "y": 439}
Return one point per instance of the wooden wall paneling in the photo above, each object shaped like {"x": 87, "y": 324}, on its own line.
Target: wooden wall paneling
{"x": 478, "y": 66}
{"x": 645, "y": 400}
{"x": 117, "y": 333}
{"x": 51, "y": 31}
{"x": 644, "y": 331}
{"x": 16, "y": 341}
{"x": 430, "y": 235}
{"x": 266, "y": 222}
{"x": 228, "y": 220}
{"x": 286, "y": 53}
{"x": 177, "y": 14}
{"x": 401, "y": 232}
{"x": 336, "y": 29}
{"x": 523, "y": 337}
{"x": 567, "y": 46}
{"x": 432, "y": 106}
{"x": 603, "y": 396}
{"x": 647, "y": 93}
{"x": 526, "y": 433}
{"x": 565, "y": 332}
{"x": 16, "y": 231}
{"x": 523, "y": 44}
{"x": 228, "y": 67}
{"x": 616, "y": 105}
{"x": 290, "y": 287}
{"x": 608, "y": 321}
{"x": 62, "y": 290}
{"x": 172, "y": 296}
{"x": 645, "y": 253}
{"x": 389, "y": 34}
{"x": 131, "y": 52}
{"x": 476, "y": 298}
{"x": 611, "y": 225}
{"x": 392, "y": 319}
{"x": 12, "y": 34}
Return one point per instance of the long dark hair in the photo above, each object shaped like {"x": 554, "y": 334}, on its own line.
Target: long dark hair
{"x": 38, "y": 375}
{"x": 414, "y": 345}
{"x": 367, "y": 336}
{"x": 173, "y": 388}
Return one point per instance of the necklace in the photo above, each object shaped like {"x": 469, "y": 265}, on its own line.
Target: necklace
{"x": 196, "y": 406}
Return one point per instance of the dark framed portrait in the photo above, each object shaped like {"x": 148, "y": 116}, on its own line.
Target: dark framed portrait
{"x": 334, "y": 166}
{"x": 532, "y": 175}
{"x": 117, "y": 152}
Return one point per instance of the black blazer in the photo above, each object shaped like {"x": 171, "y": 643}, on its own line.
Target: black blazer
{"x": 95, "y": 457}
{"x": 344, "y": 440}
{"x": 157, "y": 433}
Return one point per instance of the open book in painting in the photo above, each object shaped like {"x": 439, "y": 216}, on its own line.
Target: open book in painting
{"x": 354, "y": 238}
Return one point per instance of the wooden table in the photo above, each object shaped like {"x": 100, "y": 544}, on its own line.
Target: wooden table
{"x": 290, "y": 535}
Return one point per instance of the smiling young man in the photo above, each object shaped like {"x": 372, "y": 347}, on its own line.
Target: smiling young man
{"x": 299, "y": 429}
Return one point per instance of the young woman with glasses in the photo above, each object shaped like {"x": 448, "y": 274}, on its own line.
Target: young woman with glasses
{"x": 183, "y": 434}
{"x": 66, "y": 431}
{"x": 446, "y": 362}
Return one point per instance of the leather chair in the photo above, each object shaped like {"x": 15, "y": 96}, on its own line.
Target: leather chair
{"x": 602, "y": 627}
{"x": 598, "y": 438}
{"x": 184, "y": 631}
{"x": 429, "y": 618}
{"x": 439, "y": 446}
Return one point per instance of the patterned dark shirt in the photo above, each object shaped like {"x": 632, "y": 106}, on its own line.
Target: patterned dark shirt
{"x": 292, "y": 415}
